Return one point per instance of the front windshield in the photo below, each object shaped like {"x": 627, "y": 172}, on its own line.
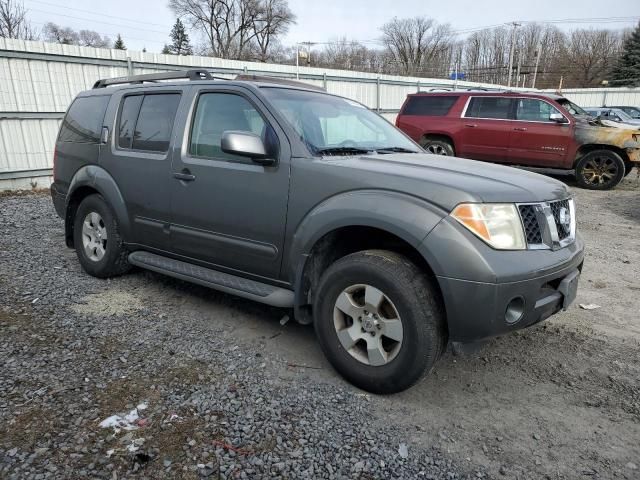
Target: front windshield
{"x": 331, "y": 125}
{"x": 571, "y": 107}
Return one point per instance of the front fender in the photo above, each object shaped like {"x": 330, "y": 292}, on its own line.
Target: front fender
{"x": 98, "y": 179}
{"x": 405, "y": 216}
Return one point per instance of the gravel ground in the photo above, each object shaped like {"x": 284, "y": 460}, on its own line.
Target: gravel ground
{"x": 214, "y": 386}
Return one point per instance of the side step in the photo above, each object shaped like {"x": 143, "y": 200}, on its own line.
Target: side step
{"x": 242, "y": 287}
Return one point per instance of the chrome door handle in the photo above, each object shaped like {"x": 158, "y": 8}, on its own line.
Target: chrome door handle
{"x": 471, "y": 125}
{"x": 184, "y": 175}
{"x": 520, "y": 129}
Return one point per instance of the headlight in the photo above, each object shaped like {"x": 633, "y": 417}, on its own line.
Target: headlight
{"x": 498, "y": 224}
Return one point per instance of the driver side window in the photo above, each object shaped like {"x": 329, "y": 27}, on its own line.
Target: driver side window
{"x": 215, "y": 114}
{"x": 532, "y": 110}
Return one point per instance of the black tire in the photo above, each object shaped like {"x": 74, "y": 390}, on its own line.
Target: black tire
{"x": 628, "y": 166}
{"x": 600, "y": 170}
{"x": 438, "y": 147}
{"x": 114, "y": 260}
{"x": 418, "y": 307}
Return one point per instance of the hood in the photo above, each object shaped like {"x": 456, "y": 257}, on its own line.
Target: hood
{"x": 595, "y": 131}
{"x": 448, "y": 181}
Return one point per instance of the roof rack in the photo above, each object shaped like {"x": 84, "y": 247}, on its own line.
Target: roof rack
{"x": 278, "y": 80}
{"x": 155, "y": 77}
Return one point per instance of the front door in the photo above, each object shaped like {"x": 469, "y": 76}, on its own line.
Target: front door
{"x": 227, "y": 210}
{"x": 486, "y": 128}
{"x": 536, "y": 139}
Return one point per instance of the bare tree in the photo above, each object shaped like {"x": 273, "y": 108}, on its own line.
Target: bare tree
{"x": 14, "y": 22}
{"x": 415, "y": 42}
{"x": 89, "y": 38}
{"x": 227, "y": 24}
{"x": 58, "y": 34}
{"x": 272, "y": 20}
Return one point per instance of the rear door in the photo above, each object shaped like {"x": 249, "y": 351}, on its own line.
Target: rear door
{"x": 139, "y": 159}
{"x": 536, "y": 139}
{"x": 227, "y": 210}
{"x": 486, "y": 128}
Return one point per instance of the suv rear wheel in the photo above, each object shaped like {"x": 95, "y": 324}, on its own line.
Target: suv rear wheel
{"x": 437, "y": 147}
{"x": 600, "y": 170}
{"x": 96, "y": 237}
{"x": 378, "y": 320}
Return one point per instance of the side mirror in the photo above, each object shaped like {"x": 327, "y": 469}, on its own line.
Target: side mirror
{"x": 557, "y": 117}
{"x": 246, "y": 144}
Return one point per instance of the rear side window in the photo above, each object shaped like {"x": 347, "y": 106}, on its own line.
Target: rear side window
{"x": 489, "y": 107}
{"x": 436, "y": 106}
{"x": 146, "y": 121}
{"x": 83, "y": 121}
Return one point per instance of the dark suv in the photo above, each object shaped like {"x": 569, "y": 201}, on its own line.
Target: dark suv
{"x": 286, "y": 195}
{"x": 527, "y": 129}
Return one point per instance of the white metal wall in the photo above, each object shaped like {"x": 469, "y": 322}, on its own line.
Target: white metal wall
{"x": 39, "y": 80}
{"x": 600, "y": 97}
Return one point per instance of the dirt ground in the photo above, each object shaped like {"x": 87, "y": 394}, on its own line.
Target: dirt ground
{"x": 559, "y": 400}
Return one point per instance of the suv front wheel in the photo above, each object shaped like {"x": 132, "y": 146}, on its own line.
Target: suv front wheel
{"x": 97, "y": 240}
{"x": 378, "y": 320}
{"x": 437, "y": 147}
{"x": 600, "y": 170}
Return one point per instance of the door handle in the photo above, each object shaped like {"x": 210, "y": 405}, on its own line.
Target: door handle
{"x": 471, "y": 125}
{"x": 520, "y": 129}
{"x": 185, "y": 175}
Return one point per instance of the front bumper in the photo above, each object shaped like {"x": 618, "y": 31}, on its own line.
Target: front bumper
{"x": 480, "y": 286}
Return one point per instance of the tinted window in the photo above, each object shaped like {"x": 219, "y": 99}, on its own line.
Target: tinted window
{"x": 155, "y": 122}
{"x": 533, "y": 110}
{"x": 83, "y": 121}
{"x": 215, "y": 114}
{"x": 427, "y": 105}
{"x": 127, "y": 122}
{"x": 489, "y": 107}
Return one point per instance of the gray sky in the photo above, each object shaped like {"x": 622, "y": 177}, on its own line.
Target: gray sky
{"x": 147, "y": 22}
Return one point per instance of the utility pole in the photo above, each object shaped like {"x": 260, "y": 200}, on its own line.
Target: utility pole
{"x": 519, "y": 67}
{"x": 513, "y": 45}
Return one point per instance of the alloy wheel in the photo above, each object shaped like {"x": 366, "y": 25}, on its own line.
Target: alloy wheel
{"x": 94, "y": 236}
{"x": 599, "y": 171}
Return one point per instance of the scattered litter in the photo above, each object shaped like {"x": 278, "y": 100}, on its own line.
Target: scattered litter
{"x": 227, "y": 446}
{"x": 277, "y": 334}
{"x": 589, "y": 306}
{"x": 35, "y": 300}
{"x": 403, "y": 450}
{"x": 135, "y": 445}
{"x": 110, "y": 452}
{"x": 284, "y": 320}
{"x": 124, "y": 422}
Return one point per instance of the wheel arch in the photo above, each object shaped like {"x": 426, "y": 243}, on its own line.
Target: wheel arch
{"x": 438, "y": 136}
{"x": 592, "y": 147}
{"x": 87, "y": 181}
{"x": 355, "y": 222}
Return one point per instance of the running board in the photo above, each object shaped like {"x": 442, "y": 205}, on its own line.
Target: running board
{"x": 242, "y": 287}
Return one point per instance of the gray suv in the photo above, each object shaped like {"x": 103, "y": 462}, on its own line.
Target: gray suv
{"x": 281, "y": 193}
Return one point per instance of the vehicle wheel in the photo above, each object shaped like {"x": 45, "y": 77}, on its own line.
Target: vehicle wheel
{"x": 379, "y": 321}
{"x": 97, "y": 239}
{"x": 600, "y": 170}
{"x": 628, "y": 166}
{"x": 437, "y": 147}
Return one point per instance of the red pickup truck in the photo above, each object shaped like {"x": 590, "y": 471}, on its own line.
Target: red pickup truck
{"x": 526, "y": 129}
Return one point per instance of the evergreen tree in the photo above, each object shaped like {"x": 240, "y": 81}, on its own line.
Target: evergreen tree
{"x": 166, "y": 50}
{"x": 627, "y": 71}
{"x": 119, "y": 45}
{"x": 179, "y": 41}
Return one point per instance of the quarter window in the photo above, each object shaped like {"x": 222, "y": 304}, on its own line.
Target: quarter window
{"x": 489, "y": 107}
{"x": 83, "y": 121}
{"x": 436, "y": 106}
{"x": 146, "y": 121}
{"x": 217, "y": 113}
{"x": 532, "y": 110}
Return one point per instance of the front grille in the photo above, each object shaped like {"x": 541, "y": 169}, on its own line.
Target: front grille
{"x": 562, "y": 217}
{"x": 532, "y": 229}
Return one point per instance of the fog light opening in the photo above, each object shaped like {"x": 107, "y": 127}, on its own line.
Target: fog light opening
{"x": 515, "y": 310}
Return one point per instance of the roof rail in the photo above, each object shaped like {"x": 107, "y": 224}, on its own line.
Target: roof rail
{"x": 278, "y": 80}
{"x": 154, "y": 77}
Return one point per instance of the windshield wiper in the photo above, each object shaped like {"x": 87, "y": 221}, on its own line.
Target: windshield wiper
{"x": 342, "y": 151}
{"x": 395, "y": 150}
